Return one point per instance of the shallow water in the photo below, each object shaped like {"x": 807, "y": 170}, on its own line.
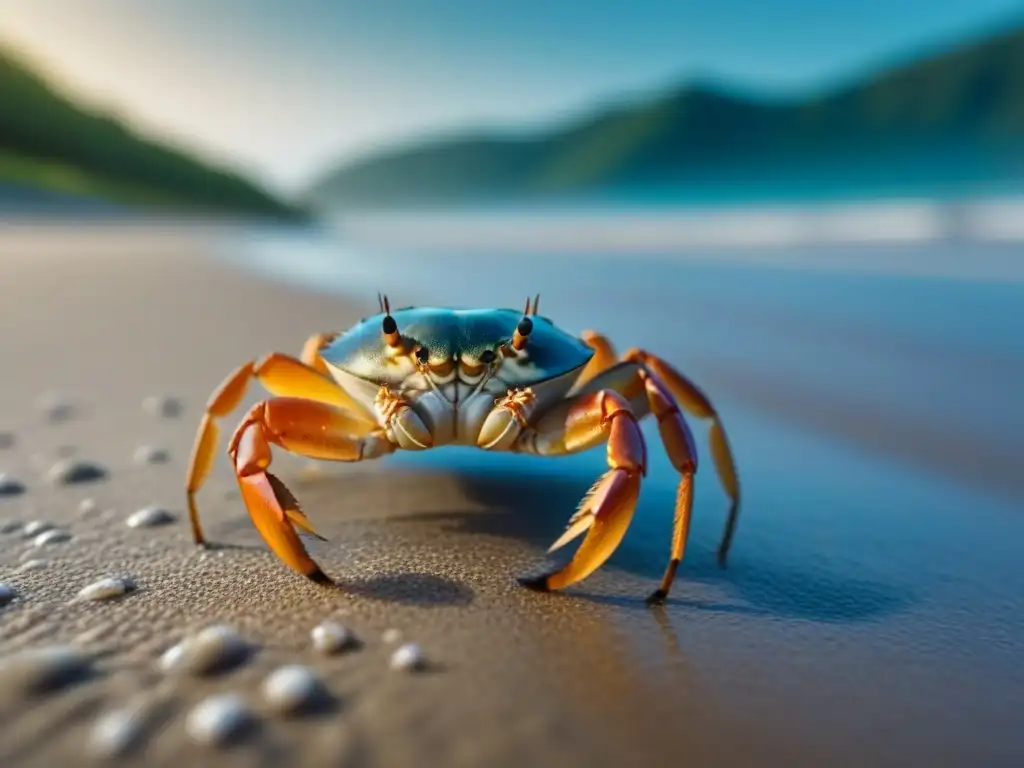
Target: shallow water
{"x": 877, "y": 422}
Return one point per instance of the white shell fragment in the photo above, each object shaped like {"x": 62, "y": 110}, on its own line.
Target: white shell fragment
{"x": 52, "y": 536}
{"x": 332, "y": 637}
{"x": 55, "y": 407}
{"x": 216, "y": 720}
{"x": 7, "y": 594}
{"x": 9, "y": 486}
{"x": 213, "y": 649}
{"x": 75, "y": 471}
{"x": 391, "y": 636}
{"x": 115, "y": 732}
{"x": 36, "y": 564}
{"x": 167, "y": 407}
{"x": 408, "y": 657}
{"x": 148, "y": 454}
{"x": 34, "y": 527}
{"x": 291, "y": 688}
{"x": 149, "y": 517}
{"x": 44, "y": 669}
{"x": 87, "y": 506}
{"x": 106, "y": 588}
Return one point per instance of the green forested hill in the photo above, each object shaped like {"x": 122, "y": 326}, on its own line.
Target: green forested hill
{"x": 957, "y": 113}
{"x": 49, "y": 143}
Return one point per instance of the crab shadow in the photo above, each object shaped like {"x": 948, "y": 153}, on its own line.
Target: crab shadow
{"x": 534, "y": 509}
{"x": 405, "y": 587}
{"x": 417, "y": 589}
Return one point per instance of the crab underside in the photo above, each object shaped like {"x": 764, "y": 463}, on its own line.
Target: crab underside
{"x": 497, "y": 379}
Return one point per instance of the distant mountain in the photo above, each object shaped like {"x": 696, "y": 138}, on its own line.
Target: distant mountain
{"x": 955, "y": 116}
{"x": 51, "y": 149}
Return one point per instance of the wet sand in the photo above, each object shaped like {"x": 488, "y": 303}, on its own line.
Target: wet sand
{"x": 514, "y": 678}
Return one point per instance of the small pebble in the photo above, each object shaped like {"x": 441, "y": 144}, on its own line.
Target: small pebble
{"x": 168, "y": 407}
{"x": 34, "y": 527}
{"x": 52, "y": 536}
{"x": 149, "y": 517}
{"x": 55, "y": 408}
{"x": 291, "y": 688}
{"x": 106, "y": 588}
{"x": 216, "y": 720}
{"x": 73, "y": 472}
{"x": 87, "y": 507}
{"x": 9, "y": 486}
{"x": 116, "y": 732}
{"x": 213, "y": 649}
{"x": 7, "y": 594}
{"x": 391, "y": 636}
{"x": 43, "y": 669}
{"x": 148, "y": 454}
{"x": 10, "y": 526}
{"x": 331, "y": 637}
{"x": 6, "y": 440}
{"x": 407, "y": 657}
{"x": 36, "y": 564}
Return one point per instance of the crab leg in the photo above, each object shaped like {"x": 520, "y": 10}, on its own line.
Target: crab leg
{"x": 280, "y": 375}
{"x": 696, "y": 402}
{"x": 693, "y": 400}
{"x": 305, "y": 427}
{"x": 678, "y": 442}
{"x": 310, "y": 355}
{"x": 603, "y": 359}
{"x": 645, "y": 394}
{"x": 606, "y": 511}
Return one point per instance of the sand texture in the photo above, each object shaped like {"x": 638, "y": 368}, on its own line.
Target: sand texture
{"x": 93, "y": 323}
{"x": 513, "y": 677}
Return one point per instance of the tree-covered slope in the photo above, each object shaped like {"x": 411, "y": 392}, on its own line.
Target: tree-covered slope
{"x": 48, "y": 142}
{"x": 964, "y": 106}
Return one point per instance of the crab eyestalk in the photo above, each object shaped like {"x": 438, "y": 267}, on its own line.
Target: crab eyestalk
{"x": 392, "y": 335}
{"x": 522, "y": 334}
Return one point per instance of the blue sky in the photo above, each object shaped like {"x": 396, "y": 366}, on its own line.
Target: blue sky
{"x": 283, "y": 89}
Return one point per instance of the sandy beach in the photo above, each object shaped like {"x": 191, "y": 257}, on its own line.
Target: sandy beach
{"x": 519, "y": 678}
{"x": 106, "y": 319}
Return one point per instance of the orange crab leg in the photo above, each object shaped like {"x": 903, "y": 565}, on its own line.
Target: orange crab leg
{"x": 311, "y": 351}
{"x": 696, "y": 402}
{"x": 678, "y": 442}
{"x": 280, "y": 375}
{"x": 693, "y": 400}
{"x": 305, "y": 427}
{"x": 573, "y": 426}
{"x": 607, "y": 510}
{"x": 603, "y": 359}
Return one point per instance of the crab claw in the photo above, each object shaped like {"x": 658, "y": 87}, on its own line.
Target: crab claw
{"x": 504, "y": 424}
{"x": 273, "y": 508}
{"x": 604, "y": 515}
{"x": 403, "y": 423}
{"x": 410, "y": 428}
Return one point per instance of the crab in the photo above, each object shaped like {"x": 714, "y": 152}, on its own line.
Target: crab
{"x": 498, "y": 379}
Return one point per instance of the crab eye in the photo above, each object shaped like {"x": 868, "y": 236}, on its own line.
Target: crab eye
{"x": 422, "y": 355}
{"x": 487, "y": 356}
{"x": 523, "y": 331}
